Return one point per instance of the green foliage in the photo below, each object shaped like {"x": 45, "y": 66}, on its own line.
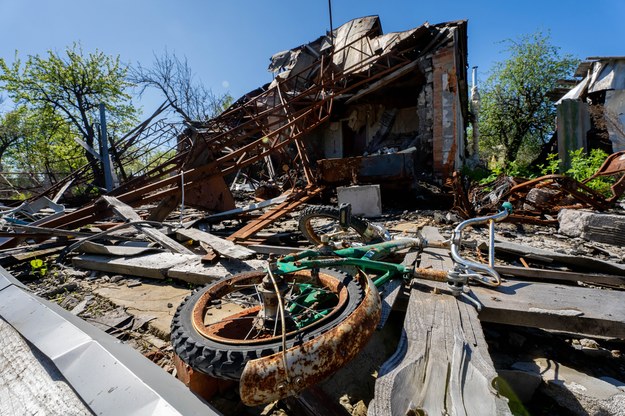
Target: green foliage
{"x": 516, "y": 116}
{"x": 583, "y": 166}
{"x": 553, "y": 165}
{"x": 62, "y": 93}
{"x": 38, "y": 266}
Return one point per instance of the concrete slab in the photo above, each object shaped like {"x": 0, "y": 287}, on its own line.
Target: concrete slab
{"x": 366, "y": 200}
{"x": 579, "y": 392}
{"x": 147, "y": 301}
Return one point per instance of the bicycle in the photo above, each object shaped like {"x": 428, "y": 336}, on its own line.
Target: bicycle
{"x": 289, "y": 326}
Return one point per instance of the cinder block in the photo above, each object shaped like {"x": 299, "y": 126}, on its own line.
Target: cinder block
{"x": 365, "y": 200}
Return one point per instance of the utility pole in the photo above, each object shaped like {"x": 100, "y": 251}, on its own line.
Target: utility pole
{"x": 104, "y": 152}
{"x": 331, "y": 28}
{"x": 475, "y": 110}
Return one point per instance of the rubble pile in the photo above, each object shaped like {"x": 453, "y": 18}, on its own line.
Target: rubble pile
{"x": 349, "y": 119}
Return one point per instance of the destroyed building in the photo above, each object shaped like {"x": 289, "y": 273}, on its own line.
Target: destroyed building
{"x": 389, "y": 108}
{"x": 592, "y": 114}
{"x": 407, "y": 124}
{"x": 398, "y": 98}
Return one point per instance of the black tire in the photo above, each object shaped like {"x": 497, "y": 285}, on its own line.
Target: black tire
{"x": 226, "y": 358}
{"x": 311, "y": 214}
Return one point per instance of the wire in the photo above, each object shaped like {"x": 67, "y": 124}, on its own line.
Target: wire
{"x": 281, "y": 308}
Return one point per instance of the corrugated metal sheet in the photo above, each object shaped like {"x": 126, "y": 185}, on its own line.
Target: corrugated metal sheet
{"x": 607, "y": 75}
{"x": 614, "y": 113}
{"x": 110, "y": 377}
{"x": 602, "y": 75}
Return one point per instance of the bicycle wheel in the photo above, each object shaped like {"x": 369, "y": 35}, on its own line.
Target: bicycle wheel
{"x": 314, "y": 221}
{"x": 219, "y": 328}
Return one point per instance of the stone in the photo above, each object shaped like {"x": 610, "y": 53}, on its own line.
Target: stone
{"x": 592, "y": 226}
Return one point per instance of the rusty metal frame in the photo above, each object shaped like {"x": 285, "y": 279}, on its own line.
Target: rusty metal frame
{"x": 293, "y": 202}
{"x": 564, "y": 186}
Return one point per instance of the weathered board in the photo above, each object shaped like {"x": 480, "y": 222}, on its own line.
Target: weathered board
{"x": 125, "y": 211}
{"x": 579, "y": 262}
{"x": 442, "y": 364}
{"x": 581, "y": 310}
{"x": 565, "y": 276}
{"x": 155, "y": 266}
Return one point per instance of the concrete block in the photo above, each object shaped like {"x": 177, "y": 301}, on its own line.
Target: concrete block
{"x": 602, "y": 228}
{"x": 579, "y": 393}
{"x": 366, "y": 200}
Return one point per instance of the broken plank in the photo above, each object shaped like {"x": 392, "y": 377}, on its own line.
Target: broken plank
{"x": 278, "y": 250}
{"x": 28, "y": 255}
{"x": 442, "y": 364}
{"x": 126, "y": 212}
{"x": 587, "y": 263}
{"x": 544, "y": 274}
{"x": 550, "y": 306}
{"x": 224, "y": 247}
{"x": 291, "y": 203}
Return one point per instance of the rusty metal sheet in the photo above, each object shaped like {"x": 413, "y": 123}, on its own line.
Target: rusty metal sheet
{"x": 383, "y": 167}
{"x": 264, "y": 380}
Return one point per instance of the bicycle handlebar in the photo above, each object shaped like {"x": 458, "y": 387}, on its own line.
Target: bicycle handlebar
{"x": 470, "y": 269}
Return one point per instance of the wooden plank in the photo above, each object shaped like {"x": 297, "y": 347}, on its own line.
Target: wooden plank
{"x": 543, "y": 274}
{"x": 222, "y": 246}
{"x": 586, "y": 263}
{"x": 126, "y": 212}
{"x": 442, "y": 364}
{"x": 566, "y": 308}
{"x": 279, "y": 250}
{"x": 28, "y": 255}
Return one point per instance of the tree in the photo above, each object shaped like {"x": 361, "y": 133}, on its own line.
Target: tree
{"x": 71, "y": 86}
{"x": 13, "y": 129}
{"x": 175, "y": 79}
{"x": 516, "y": 115}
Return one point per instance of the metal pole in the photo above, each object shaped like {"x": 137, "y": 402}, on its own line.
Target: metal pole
{"x": 331, "y": 28}
{"x": 106, "y": 160}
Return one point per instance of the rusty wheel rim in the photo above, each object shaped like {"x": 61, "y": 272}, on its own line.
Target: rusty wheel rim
{"x": 230, "y": 323}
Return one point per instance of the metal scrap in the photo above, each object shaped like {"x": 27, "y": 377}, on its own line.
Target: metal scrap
{"x": 539, "y": 200}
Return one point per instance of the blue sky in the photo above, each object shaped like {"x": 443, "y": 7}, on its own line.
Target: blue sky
{"x": 228, "y": 43}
